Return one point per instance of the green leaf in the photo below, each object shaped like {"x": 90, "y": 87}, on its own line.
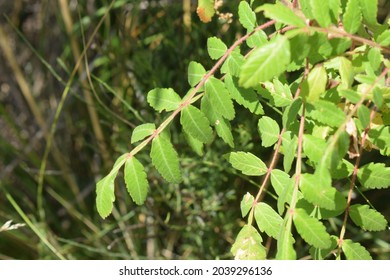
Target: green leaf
{"x": 222, "y": 126}
{"x": 320, "y": 254}
{"x": 220, "y": 98}
{"x": 257, "y": 39}
{"x": 375, "y": 58}
{"x": 196, "y": 124}
{"x": 216, "y": 47}
{"x": 311, "y": 229}
{"x": 321, "y": 12}
{"x": 165, "y": 159}
{"x": 247, "y": 163}
{"x": 135, "y": 179}
{"x": 314, "y": 147}
{"x": 269, "y": 131}
{"x": 290, "y": 115}
{"x": 323, "y": 196}
{"x": 233, "y": 64}
{"x": 248, "y": 245}
{"x": 355, "y": 251}
{"x": 315, "y": 84}
{"x": 266, "y": 62}
{"x": 364, "y": 115}
{"x": 374, "y": 176}
{"x": 163, "y": 99}
{"x": 195, "y": 144}
{"x": 328, "y": 113}
{"x": 282, "y": 14}
{"x": 380, "y": 137}
{"x": 105, "y": 196}
{"x": 281, "y": 94}
{"x": 195, "y": 73}
{"x": 246, "y": 204}
{"x": 383, "y": 39}
{"x": 205, "y": 10}
{"x": 142, "y": 131}
{"x": 279, "y": 180}
{"x": 306, "y": 8}
{"x": 268, "y": 220}
{"x": 366, "y": 218}
{"x": 350, "y": 94}
{"x": 245, "y": 97}
{"x": 246, "y": 16}
{"x": 369, "y": 10}
{"x": 285, "y": 249}
{"x": 289, "y": 152}
{"x": 352, "y": 18}
{"x": 346, "y": 72}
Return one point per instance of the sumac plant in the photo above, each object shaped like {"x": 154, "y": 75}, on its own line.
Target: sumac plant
{"x": 323, "y": 66}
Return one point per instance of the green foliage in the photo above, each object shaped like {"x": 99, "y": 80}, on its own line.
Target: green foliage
{"x": 317, "y": 84}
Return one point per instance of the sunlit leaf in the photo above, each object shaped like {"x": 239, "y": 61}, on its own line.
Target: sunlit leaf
{"x": 281, "y": 13}
{"x": 195, "y": 73}
{"x": 266, "y": 62}
{"x": 311, "y": 229}
{"x": 321, "y": 12}
{"x": 165, "y": 159}
{"x": 321, "y": 195}
{"x": 215, "y": 47}
{"x": 220, "y": 98}
{"x": 314, "y": 86}
{"x": 268, "y": 220}
{"x": 246, "y": 204}
{"x": 313, "y": 147}
{"x": 367, "y": 218}
{"x": 196, "y": 124}
{"x": 245, "y": 97}
{"x": 247, "y": 245}
{"x": 355, "y": 251}
{"x": 374, "y": 176}
{"x": 135, "y": 179}
{"x": 246, "y": 16}
{"x": 269, "y": 131}
{"x": 142, "y": 131}
{"x": 247, "y": 163}
{"x": 369, "y": 10}
{"x": 328, "y": 113}
{"x": 105, "y": 195}
{"x": 163, "y": 99}
{"x": 352, "y": 17}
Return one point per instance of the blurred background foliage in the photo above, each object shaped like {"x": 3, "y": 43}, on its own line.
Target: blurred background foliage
{"x": 141, "y": 44}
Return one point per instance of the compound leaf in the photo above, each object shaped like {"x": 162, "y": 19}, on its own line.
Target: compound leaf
{"x": 247, "y": 163}
{"x": 311, "y": 229}
{"x": 165, "y": 159}
{"x": 248, "y": 245}
{"x": 266, "y": 62}
{"x": 135, "y": 179}
{"x": 366, "y": 218}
